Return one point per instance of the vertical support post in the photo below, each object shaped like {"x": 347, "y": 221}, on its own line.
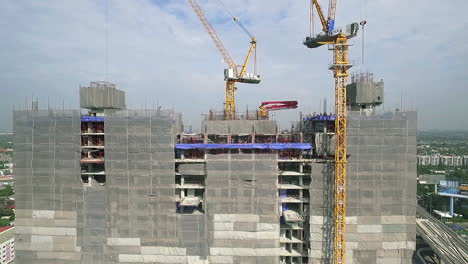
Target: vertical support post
{"x": 451, "y": 205}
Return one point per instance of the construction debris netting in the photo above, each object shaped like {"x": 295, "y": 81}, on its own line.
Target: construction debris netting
{"x": 48, "y": 185}
{"x": 381, "y": 191}
{"x": 242, "y": 208}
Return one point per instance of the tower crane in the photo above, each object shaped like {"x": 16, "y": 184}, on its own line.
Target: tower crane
{"x": 275, "y": 105}
{"x": 337, "y": 39}
{"x": 235, "y": 73}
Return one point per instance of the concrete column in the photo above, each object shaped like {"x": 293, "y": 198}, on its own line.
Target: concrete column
{"x": 451, "y": 205}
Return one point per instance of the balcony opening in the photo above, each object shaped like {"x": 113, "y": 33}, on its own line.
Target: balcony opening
{"x": 101, "y": 179}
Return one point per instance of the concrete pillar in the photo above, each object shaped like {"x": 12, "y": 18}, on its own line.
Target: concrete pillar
{"x": 451, "y": 205}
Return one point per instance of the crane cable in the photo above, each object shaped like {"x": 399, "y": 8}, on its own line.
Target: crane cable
{"x": 254, "y": 40}
{"x": 236, "y": 20}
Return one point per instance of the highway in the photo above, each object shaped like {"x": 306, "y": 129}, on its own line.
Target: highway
{"x": 450, "y": 247}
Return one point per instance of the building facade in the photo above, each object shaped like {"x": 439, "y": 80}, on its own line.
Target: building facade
{"x": 7, "y": 244}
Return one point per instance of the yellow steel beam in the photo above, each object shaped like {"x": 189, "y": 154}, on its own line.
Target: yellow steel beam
{"x": 321, "y": 15}
{"x": 253, "y": 46}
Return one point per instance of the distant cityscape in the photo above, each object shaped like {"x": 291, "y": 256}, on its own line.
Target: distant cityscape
{"x": 437, "y": 160}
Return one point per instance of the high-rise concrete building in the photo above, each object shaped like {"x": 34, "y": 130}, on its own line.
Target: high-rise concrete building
{"x": 128, "y": 186}
{"x": 381, "y": 192}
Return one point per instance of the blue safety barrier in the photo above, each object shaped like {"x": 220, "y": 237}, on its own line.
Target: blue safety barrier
{"x": 92, "y": 118}
{"x": 321, "y": 118}
{"x": 276, "y": 146}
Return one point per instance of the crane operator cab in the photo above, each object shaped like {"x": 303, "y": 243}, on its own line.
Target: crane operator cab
{"x": 229, "y": 75}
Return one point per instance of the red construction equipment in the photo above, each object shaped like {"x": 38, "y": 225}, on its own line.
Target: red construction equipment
{"x": 275, "y": 105}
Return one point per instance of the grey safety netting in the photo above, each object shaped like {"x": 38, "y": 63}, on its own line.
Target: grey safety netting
{"x": 381, "y": 189}
{"x": 365, "y": 93}
{"x": 239, "y": 127}
{"x": 241, "y": 202}
{"x": 46, "y": 156}
{"x": 321, "y": 212}
{"x": 102, "y": 97}
{"x": 47, "y": 181}
{"x": 140, "y": 172}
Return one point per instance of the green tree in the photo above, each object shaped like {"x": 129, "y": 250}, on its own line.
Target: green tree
{"x": 6, "y": 212}
{"x": 8, "y": 191}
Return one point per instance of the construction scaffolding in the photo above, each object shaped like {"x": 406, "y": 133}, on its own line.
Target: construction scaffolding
{"x": 47, "y": 184}
{"x": 381, "y": 196}
{"x": 238, "y": 192}
{"x": 140, "y": 169}
{"x": 242, "y": 210}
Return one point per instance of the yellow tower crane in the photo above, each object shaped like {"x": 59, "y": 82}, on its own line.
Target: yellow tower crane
{"x": 337, "y": 39}
{"x": 235, "y": 73}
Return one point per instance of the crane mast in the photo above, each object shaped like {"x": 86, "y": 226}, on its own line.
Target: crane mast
{"x": 340, "y": 68}
{"x": 232, "y": 74}
{"x": 338, "y": 39}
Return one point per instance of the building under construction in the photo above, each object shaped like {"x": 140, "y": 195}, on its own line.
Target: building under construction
{"x": 115, "y": 185}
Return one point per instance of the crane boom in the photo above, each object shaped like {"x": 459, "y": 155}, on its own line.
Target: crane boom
{"x": 321, "y": 16}
{"x": 253, "y": 46}
{"x": 276, "y": 105}
{"x": 213, "y": 35}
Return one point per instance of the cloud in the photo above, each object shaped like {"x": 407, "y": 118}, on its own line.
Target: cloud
{"x": 159, "y": 52}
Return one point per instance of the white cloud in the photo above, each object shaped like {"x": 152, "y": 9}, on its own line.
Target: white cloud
{"x": 160, "y": 52}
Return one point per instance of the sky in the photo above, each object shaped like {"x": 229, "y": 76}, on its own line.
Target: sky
{"x": 158, "y": 52}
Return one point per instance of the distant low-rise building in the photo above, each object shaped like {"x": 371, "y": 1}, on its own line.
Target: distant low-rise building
{"x": 432, "y": 179}
{"x": 465, "y": 160}
{"x": 7, "y": 244}
{"x": 458, "y": 161}
{"x": 435, "y": 160}
{"x": 424, "y": 160}
{"x": 446, "y": 160}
